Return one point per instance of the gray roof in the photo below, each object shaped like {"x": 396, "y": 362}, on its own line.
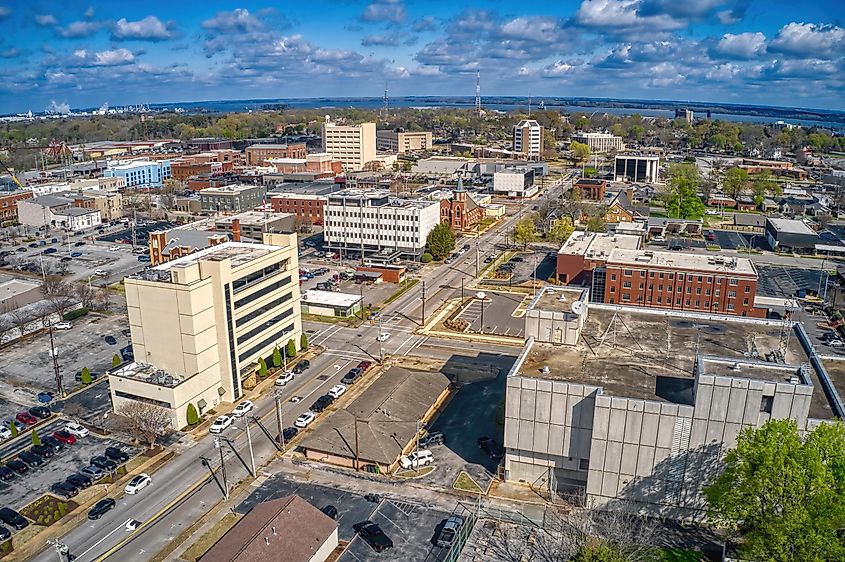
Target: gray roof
{"x": 749, "y": 219}
{"x": 51, "y": 201}
{"x": 791, "y": 226}
{"x": 77, "y": 211}
{"x": 189, "y": 238}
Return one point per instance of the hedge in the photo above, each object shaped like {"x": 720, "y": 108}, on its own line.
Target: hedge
{"x": 74, "y": 314}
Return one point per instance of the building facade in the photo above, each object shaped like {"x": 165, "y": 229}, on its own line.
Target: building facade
{"x": 353, "y": 145}
{"x": 599, "y": 143}
{"x": 140, "y": 173}
{"x": 528, "y": 139}
{"x": 461, "y": 211}
{"x": 9, "y": 205}
{"x": 637, "y": 168}
{"x": 200, "y": 323}
{"x": 66, "y": 211}
{"x": 514, "y": 182}
{"x": 109, "y": 203}
{"x": 307, "y": 207}
{"x": 403, "y": 141}
{"x": 232, "y": 198}
{"x": 583, "y": 252}
{"x": 372, "y": 223}
{"x": 257, "y": 154}
{"x": 591, "y": 189}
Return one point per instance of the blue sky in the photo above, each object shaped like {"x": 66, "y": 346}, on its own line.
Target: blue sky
{"x": 774, "y": 52}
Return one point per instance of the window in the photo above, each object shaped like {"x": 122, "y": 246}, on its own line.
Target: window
{"x": 680, "y": 276}
{"x": 627, "y": 272}
{"x": 766, "y": 404}
{"x": 698, "y": 291}
{"x": 707, "y": 292}
{"x": 584, "y": 464}
{"x": 706, "y": 304}
{"x": 687, "y": 302}
{"x": 730, "y": 307}
{"x": 626, "y": 296}
{"x": 718, "y": 292}
{"x": 731, "y": 294}
{"x": 734, "y": 282}
{"x": 745, "y": 301}
{"x": 747, "y": 289}
{"x": 626, "y": 284}
{"x": 613, "y": 289}
{"x": 709, "y": 279}
{"x": 660, "y": 276}
{"x": 678, "y": 302}
{"x": 651, "y": 274}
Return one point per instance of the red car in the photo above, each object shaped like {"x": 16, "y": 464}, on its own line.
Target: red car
{"x": 27, "y": 418}
{"x": 364, "y": 365}
{"x": 64, "y": 437}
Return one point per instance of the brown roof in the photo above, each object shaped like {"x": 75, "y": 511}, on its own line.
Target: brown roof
{"x": 301, "y": 529}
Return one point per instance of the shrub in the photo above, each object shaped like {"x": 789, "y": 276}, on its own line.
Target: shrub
{"x": 277, "y": 357}
{"x": 262, "y": 367}
{"x": 303, "y": 342}
{"x": 13, "y": 428}
{"x": 426, "y": 257}
{"x": 74, "y": 314}
{"x": 115, "y": 361}
{"x": 36, "y": 440}
{"x": 192, "y": 415}
{"x": 291, "y": 350}
{"x": 86, "y": 375}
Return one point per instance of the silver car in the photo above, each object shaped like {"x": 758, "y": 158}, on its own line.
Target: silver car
{"x": 449, "y": 531}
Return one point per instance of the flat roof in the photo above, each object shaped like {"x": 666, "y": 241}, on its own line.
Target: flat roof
{"x": 253, "y": 217}
{"x": 240, "y": 253}
{"x": 229, "y": 189}
{"x": 329, "y": 298}
{"x": 676, "y": 260}
{"x": 651, "y": 356}
{"x": 558, "y": 299}
{"x": 136, "y": 164}
{"x": 145, "y": 372}
{"x": 597, "y": 244}
{"x": 791, "y": 226}
{"x": 275, "y": 145}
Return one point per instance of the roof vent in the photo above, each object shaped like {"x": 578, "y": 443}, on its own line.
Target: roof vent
{"x": 545, "y": 369}
{"x": 794, "y": 379}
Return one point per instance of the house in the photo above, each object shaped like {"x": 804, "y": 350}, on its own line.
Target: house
{"x": 749, "y": 222}
{"x": 768, "y": 205}
{"x": 721, "y": 200}
{"x": 591, "y": 189}
{"x": 620, "y": 207}
{"x": 745, "y": 203}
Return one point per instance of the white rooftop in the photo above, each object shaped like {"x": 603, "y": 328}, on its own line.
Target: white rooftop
{"x": 329, "y": 298}
{"x": 135, "y": 164}
{"x": 675, "y": 260}
{"x": 239, "y": 253}
{"x": 597, "y": 244}
{"x": 792, "y": 226}
{"x": 229, "y": 189}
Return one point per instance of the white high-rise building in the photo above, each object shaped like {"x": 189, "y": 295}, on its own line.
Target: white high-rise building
{"x": 528, "y": 139}
{"x": 353, "y": 145}
{"x": 599, "y": 142}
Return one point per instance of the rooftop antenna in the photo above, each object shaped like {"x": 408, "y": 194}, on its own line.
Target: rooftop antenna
{"x": 385, "y": 106}
{"x": 478, "y": 92}
{"x": 529, "y": 104}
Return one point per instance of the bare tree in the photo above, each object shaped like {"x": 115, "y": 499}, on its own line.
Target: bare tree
{"x": 102, "y": 298}
{"x": 21, "y": 317}
{"x": 85, "y": 293}
{"x": 146, "y": 422}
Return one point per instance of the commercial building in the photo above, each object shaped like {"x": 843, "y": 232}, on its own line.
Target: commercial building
{"x": 528, "y": 139}
{"x": 212, "y": 162}
{"x": 109, "y": 203}
{"x": 371, "y": 223}
{"x": 353, "y": 145}
{"x": 140, "y": 173}
{"x": 199, "y": 323}
{"x": 9, "y": 205}
{"x": 599, "y": 143}
{"x": 633, "y": 168}
{"x": 685, "y": 114}
{"x": 591, "y": 189}
{"x": 287, "y": 529}
{"x": 330, "y": 303}
{"x": 59, "y": 211}
{"x": 403, "y": 141}
{"x": 306, "y": 206}
{"x": 652, "y": 401}
{"x": 583, "y": 252}
{"x": 168, "y": 245}
{"x": 790, "y": 235}
{"x": 320, "y": 164}
{"x": 258, "y": 154}
{"x": 514, "y": 182}
{"x": 253, "y": 224}
{"x": 232, "y": 198}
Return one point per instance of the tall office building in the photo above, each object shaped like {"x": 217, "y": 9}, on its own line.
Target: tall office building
{"x": 599, "y": 142}
{"x": 528, "y": 139}
{"x": 353, "y": 145}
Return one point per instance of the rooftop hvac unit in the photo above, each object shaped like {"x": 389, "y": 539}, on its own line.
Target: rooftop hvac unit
{"x": 794, "y": 379}
{"x": 545, "y": 369}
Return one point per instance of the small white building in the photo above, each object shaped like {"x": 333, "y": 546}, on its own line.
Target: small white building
{"x": 57, "y": 211}
{"x": 514, "y": 182}
{"x": 329, "y": 303}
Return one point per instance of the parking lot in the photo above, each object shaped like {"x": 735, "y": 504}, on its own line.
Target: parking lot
{"x": 373, "y": 293}
{"x": 410, "y": 526}
{"x": 528, "y": 266}
{"x": 498, "y": 310}
{"x": 142, "y": 233}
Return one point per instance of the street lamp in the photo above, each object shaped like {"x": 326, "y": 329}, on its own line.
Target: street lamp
{"x": 481, "y": 295}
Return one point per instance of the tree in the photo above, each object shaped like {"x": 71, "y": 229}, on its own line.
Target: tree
{"x": 115, "y": 360}
{"x": 580, "y": 151}
{"x": 682, "y": 200}
{"x": 36, "y": 439}
{"x": 596, "y": 222}
{"x": 440, "y": 241}
{"x": 277, "y": 357}
{"x": 85, "y": 376}
{"x": 192, "y": 415}
{"x": 262, "y": 367}
{"x": 525, "y": 232}
{"x": 734, "y": 182}
{"x": 291, "y": 349}
{"x": 146, "y": 422}
{"x": 561, "y": 229}
{"x": 426, "y": 257}
{"x": 13, "y": 428}
{"x": 303, "y": 342}
{"x": 782, "y": 494}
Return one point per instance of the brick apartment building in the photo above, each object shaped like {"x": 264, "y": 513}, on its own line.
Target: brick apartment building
{"x": 215, "y": 161}
{"x": 258, "y": 153}
{"x": 306, "y": 206}
{"x": 9, "y": 205}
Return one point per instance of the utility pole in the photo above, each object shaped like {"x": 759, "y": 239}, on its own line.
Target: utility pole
{"x": 251, "y": 455}
{"x": 55, "y": 358}
{"x": 422, "y": 320}
{"x": 357, "y": 463}
{"x": 219, "y": 446}
{"x": 462, "y": 289}
{"x": 534, "y": 275}
{"x": 477, "y": 243}
{"x": 279, "y": 419}
{"x": 380, "y": 346}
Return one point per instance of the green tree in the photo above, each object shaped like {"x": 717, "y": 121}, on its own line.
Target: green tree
{"x": 13, "y": 428}
{"x": 601, "y": 552}
{"x": 262, "y": 367}
{"x": 764, "y": 183}
{"x": 440, "y": 241}
{"x": 85, "y": 375}
{"x": 734, "y": 182}
{"x": 784, "y": 494}
{"x": 192, "y": 415}
{"x": 36, "y": 439}
{"x": 525, "y": 232}
{"x": 580, "y": 151}
{"x": 682, "y": 200}
{"x": 426, "y": 257}
{"x": 561, "y": 229}
{"x": 303, "y": 342}
{"x": 115, "y": 360}
{"x": 277, "y": 357}
{"x": 596, "y": 222}
{"x": 291, "y": 349}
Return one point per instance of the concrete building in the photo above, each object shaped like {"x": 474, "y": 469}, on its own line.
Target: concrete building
{"x": 790, "y": 235}
{"x": 528, "y": 139}
{"x": 253, "y": 224}
{"x": 685, "y": 114}
{"x": 60, "y": 211}
{"x": 403, "y": 141}
{"x": 9, "y": 205}
{"x": 634, "y": 408}
{"x": 633, "y": 168}
{"x": 599, "y": 143}
{"x": 258, "y": 154}
{"x": 372, "y": 223}
{"x": 232, "y": 198}
{"x": 306, "y": 206}
{"x": 320, "y": 165}
{"x": 199, "y": 323}
{"x": 353, "y": 145}
{"x": 109, "y": 203}
{"x": 514, "y": 182}
{"x": 287, "y": 529}
{"x": 140, "y": 173}
{"x": 330, "y": 303}
{"x": 583, "y": 252}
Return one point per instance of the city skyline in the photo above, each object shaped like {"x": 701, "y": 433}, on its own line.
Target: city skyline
{"x": 732, "y": 51}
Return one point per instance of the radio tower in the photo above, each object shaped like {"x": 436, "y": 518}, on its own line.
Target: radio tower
{"x": 478, "y": 92}
{"x": 384, "y": 108}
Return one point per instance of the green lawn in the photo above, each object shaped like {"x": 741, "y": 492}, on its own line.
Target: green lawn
{"x": 404, "y": 288}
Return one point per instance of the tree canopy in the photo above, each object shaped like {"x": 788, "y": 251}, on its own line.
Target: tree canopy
{"x": 525, "y": 232}
{"x": 784, "y": 495}
{"x": 734, "y": 182}
{"x": 580, "y": 151}
{"x": 441, "y": 241}
{"x": 561, "y": 229}
{"x": 682, "y": 200}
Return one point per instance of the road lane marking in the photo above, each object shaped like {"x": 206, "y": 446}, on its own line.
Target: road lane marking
{"x": 96, "y": 544}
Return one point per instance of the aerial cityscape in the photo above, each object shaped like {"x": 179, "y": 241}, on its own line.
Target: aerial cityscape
{"x": 422, "y": 282}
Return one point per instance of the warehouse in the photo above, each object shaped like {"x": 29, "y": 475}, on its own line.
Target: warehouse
{"x": 788, "y": 235}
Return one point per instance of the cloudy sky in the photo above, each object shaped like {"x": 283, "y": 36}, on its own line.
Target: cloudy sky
{"x": 776, "y": 52}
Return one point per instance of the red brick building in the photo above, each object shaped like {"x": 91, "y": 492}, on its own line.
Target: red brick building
{"x": 305, "y": 206}
{"x": 583, "y": 252}
{"x": 213, "y": 162}
{"x": 258, "y": 153}
{"x": 461, "y": 212}
{"x": 698, "y": 283}
{"x": 9, "y": 205}
{"x": 591, "y": 190}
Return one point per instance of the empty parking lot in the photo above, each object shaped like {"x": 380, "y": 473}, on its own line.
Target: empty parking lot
{"x": 495, "y": 315}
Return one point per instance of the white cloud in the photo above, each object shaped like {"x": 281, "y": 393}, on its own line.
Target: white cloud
{"x": 80, "y": 29}
{"x": 742, "y": 46}
{"x": 622, "y": 16}
{"x": 558, "y": 69}
{"x": 392, "y": 11}
{"x": 809, "y": 40}
{"x": 239, "y": 20}
{"x": 113, "y": 57}
{"x": 148, "y": 29}
{"x": 46, "y": 20}
{"x": 723, "y": 72}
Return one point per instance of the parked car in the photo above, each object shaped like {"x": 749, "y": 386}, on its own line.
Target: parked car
{"x": 27, "y": 418}
{"x": 63, "y": 325}
{"x": 138, "y": 483}
{"x": 416, "y": 459}
{"x": 80, "y": 480}
{"x": 7, "y": 472}
{"x": 5, "y": 533}
{"x": 491, "y": 447}
{"x": 304, "y": 419}
{"x": 433, "y": 438}
{"x": 330, "y": 511}
{"x": 289, "y": 433}
{"x": 64, "y": 436}
{"x": 364, "y": 365}
{"x": 31, "y": 459}
{"x": 78, "y": 244}
{"x": 101, "y": 272}
{"x": 372, "y": 534}
{"x": 242, "y": 408}
{"x": 349, "y": 377}
{"x": 284, "y": 378}
{"x": 337, "y": 390}
{"x": 384, "y": 336}
{"x": 104, "y": 463}
{"x": 302, "y": 366}
{"x": 49, "y": 251}
{"x": 78, "y": 376}
{"x": 116, "y": 454}
{"x": 18, "y": 466}
{"x": 321, "y": 403}
{"x": 44, "y": 397}
{"x": 64, "y": 490}
{"x": 836, "y": 343}
{"x": 5, "y": 432}
{"x": 372, "y": 498}
{"x": 12, "y": 518}
{"x": 51, "y": 441}
{"x": 221, "y": 423}
{"x": 143, "y": 258}
{"x": 76, "y": 430}
{"x": 449, "y": 531}
{"x": 18, "y": 424}
{"x": 101, "y": 508}
{"x": 111, "y": 340}
{"x": 42, "y": 412}
{"x": 94, "y": 472}
{"x": 43, "y": 450}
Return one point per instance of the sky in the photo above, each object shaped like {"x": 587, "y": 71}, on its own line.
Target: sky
{"x": 83, "y": 54}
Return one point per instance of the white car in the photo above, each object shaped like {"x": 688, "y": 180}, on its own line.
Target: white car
{"x": 337, "y": 390}
{"x": 114, "y": 248}
{"x": 417, "y": 459}
{"x": 5, "y": 432}
{"x": 138, "y": 483}
{"x": 63, "y": 326}
{"x": 101, "y": 272}
{"x": 242, "y": 408}
{"x": 221, "y": 423}
{"x": 304, "y": 419}
{"x": 836, "y": 343}
{"x": 76, "y": 430}
{"x": 284, "y": 378}
{"x": 384, "y": 336}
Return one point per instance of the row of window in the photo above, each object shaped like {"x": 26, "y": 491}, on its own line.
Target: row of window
{"x": 252, "y": 315}
{"x": 246, "y": 336}
{"x": 626, "y": 297}
{"x": 277, "y": 338}
{"x": 718, "y": 292}
{"x": 262, "y": 291}
{"x": 143, "y": 399}
{"x": 256, "y": 276}
{"x": 681, "y": 276}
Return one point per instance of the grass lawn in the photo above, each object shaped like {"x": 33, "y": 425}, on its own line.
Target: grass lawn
{"x": 465, "y": 483}
{"x": 679, "y": 555}
{"x": 411, "y": 473}
{"x": 404, "y": 288}
{"x": 210, "y": 537}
